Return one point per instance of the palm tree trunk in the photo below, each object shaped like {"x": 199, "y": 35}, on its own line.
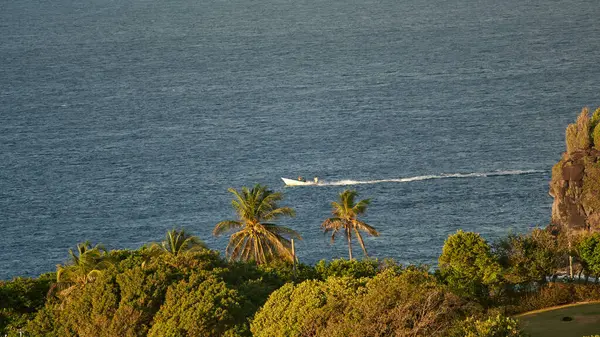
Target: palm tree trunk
{"x": 349, "y": 237}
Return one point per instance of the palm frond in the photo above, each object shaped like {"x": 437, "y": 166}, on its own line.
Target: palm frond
{"x": 275, "y": 213}
{"x": 361, "y": 206}
{"x": 332, "y": 224}
{"x": 226, "y": 226}
{"x": 365, "y": 228}
{"x": 280, "y": 230}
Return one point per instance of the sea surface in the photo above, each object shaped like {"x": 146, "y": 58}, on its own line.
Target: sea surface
{"x": 121, "y": 119}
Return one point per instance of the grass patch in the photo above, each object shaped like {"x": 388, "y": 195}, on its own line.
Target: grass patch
{"x": 569, "y": 321}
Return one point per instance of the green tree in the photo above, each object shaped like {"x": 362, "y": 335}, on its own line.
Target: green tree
{"x": 468, "y": 266}
{"x": 178, "y": 242}
{"x": 532, "y": 257}
{"x": 256, "y": 237}
{"x": 588, "y": 250}
{"x": 345, "y": 219}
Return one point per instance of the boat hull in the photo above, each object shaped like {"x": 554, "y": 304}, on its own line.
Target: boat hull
{"x": 294, "y": 182}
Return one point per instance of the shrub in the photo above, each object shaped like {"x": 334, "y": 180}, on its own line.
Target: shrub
{"x": 304, "y": 309}
{"x": 497, "y": 326}
{"x": 586, "y": 292}
{"x": 202, "y": 306}
{"x": 412, "y": 303}
{"x": 549, "y": 295}
{"x": 596, "y": 135}
{"x": 578, "y": 135}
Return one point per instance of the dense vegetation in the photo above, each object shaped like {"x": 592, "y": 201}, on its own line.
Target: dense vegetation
{"x": 180, "y": 287}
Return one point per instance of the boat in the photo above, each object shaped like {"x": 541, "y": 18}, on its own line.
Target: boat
{"x": 295, "y": 182}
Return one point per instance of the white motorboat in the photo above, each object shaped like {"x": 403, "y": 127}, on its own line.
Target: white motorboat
{"x": 295, "y": 182}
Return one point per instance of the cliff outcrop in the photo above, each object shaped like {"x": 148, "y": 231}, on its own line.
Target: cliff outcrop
{"x": 575, "y": 183}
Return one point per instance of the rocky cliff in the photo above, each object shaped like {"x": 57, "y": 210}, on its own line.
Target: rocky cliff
{"x": 575, "y": 183}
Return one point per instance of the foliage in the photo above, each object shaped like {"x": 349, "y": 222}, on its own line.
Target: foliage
{"x": 411, "y": 303}
{"x": 83, "y": 267}
{"x": 283, "y": 271}
{"x": 351, "y": 268}
{"x": 578, "y": 135}
{"x": 178, "y": 242}
{"x": 255, "y": 237}
{"x": 549, "y": 295}
{"x": 595, "y": 119}
{"x": 345, "y": 218}
{"x": 199, "y": 293}
{"x": 589, "y": 252}
{"x": 528, "y": 258}
{"x": 20, "y": 299}
{"x": 85, "y": 311}
{"x": 202, "y": 306}
{"x": 146, "y": 293}
{"x": 468, "y": 266}
{"x": 303, "y": 309}
{"x": 497, "y": 326}
{"x": 596, "y": 135}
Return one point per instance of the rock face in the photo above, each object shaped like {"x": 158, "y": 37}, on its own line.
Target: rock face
{"x": 575, "y": 183}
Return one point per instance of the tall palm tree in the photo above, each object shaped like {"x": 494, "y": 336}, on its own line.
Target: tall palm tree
{"x": 256, "y": 237}
{"x": 177, "y": 242}
{"x": 345, "y": 219}
{"x": 83, "y": 266}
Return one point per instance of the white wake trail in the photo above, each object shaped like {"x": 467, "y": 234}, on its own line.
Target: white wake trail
{"x": 429, "y": 177}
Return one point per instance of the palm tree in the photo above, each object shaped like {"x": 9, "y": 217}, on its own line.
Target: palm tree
{"x": 345, "y": 218}
{"x": 84, "y": 266}
{"x": 256, "y": 237}
{"x": 177, "y": 242}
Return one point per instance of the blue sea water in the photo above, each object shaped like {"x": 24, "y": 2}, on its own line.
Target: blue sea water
{"x": 120, "y": 119}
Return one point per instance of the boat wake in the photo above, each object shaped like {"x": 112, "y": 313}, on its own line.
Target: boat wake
{"x": 430, "y": 177}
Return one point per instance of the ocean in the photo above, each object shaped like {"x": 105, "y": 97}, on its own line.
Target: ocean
{"x": 122, "y": 119}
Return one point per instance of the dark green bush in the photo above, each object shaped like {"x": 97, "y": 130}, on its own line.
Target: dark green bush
{"x": 20, "y": 299}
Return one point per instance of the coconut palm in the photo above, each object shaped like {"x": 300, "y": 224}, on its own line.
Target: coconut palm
{"x": 83, "y": 266}
{"x": 256, "y": 237}
{"x": 177, "y": 242}
{"x": 345, "y": 219}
